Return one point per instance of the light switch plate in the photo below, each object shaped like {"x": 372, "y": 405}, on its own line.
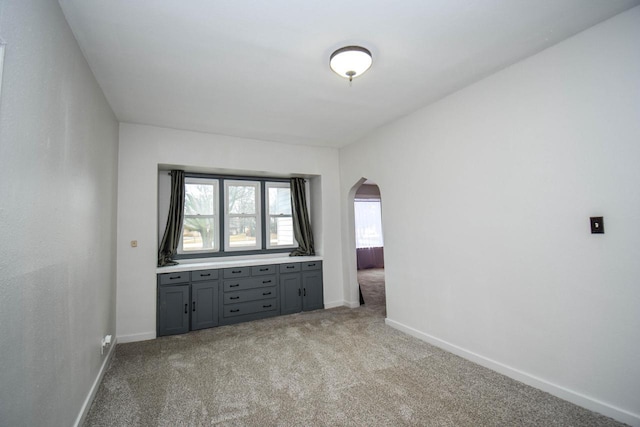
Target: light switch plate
{"x": 597, "y": 225}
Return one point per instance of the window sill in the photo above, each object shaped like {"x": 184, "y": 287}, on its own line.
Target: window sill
{"x": 235, "y": 261}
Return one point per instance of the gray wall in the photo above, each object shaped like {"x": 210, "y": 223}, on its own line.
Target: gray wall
{"x": 58, "y": 163}
{"x": 487, "y": 197}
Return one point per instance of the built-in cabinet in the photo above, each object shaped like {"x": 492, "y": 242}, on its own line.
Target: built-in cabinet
{"x": 301, "y": 287}
{"x": 312, "y": 297}
{"x": 199, "y": 299}
{"x": 173, "y": 313}
{"x": 187, "y": 301}
{"x": 249, "y": 293}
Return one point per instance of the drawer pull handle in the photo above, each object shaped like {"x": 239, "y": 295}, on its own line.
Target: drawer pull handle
{"x": 266, "y": 281}
{"x": 266, "y": 293}
{"x": 305, "y": 292}
{"x": 291, "y": 266}
{"x": 174, "y": 277}
{"x": 234, "y": 297}
{"x": 194, "y": 306}
{"x": 234, "y": 286}
{"x": 205, "y": 275}
{"x": 266, "y": 306}
{"x": 311, "y": 265}
{"x": 236, "y": 271}
{"x": 186, "y": 308}
{"x": 234, "y": 311}
{"x": 264, "y": 269}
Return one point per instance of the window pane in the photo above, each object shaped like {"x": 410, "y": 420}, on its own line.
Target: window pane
{"x": 242, "y": 232}
{"x": 242, "y": 199}
{"x": 279, "y": 201}
{"x": 198, "y": 199}
{"x": 368, "y": 222}
{"x": 281, "y": 231}
{"x": 199, "y": 234}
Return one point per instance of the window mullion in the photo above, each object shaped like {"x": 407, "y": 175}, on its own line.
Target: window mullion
{"x": 222, "y": 212}
{"x": 263, "y": 215}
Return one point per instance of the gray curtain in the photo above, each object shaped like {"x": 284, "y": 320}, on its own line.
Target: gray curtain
{"x": 169, "y": 246}
{"x": 301, "y": 225}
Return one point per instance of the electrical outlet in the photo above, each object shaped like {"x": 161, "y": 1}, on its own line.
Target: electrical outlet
{"x": 134, "y": 243}
{"x": 106, "y": 342}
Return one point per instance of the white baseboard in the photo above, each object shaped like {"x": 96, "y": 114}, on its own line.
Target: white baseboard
{"x": 341, "y": 304}
{"x": 144, "y": 336}
{"x": 96, "y": 384}
{"x": 564, "y": 393}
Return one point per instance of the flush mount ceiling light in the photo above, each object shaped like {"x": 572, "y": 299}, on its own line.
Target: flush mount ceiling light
{"x": 350, "y": 61}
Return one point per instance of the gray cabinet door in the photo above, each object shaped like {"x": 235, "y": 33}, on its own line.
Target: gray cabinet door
{"x": 174, "y": 310}
{"x": 312, "y": 298}
{"x": 290, "y": 293}
{"x": 204, "y": 305}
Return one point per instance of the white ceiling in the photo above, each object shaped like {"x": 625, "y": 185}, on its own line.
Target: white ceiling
{"x": 260, "y": 69}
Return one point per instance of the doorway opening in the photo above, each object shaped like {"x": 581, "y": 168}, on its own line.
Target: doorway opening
{"x": 369, "y": 243}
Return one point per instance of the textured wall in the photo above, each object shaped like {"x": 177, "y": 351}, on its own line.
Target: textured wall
{"x": 58, "y": 160}
{"x": 487, "y": 197}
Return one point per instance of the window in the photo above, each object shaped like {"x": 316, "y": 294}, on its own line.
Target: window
{"x": 368, "y": 222}
{"x": 200, "y": 231}
{"x": 242, "y": 215}
{"x": 279, "y": 219}
{"x": 234, "y": 215}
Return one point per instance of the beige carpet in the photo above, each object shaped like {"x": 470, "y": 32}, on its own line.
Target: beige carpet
{"x": 338, "y": 367}
{"x": 372, "y": 286}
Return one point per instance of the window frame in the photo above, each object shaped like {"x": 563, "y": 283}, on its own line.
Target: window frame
{"x": 228, "y": 215}
{"x": 268, "y": 216}
{"x": 216, "y": 215}
{"x": 222, "y": 250}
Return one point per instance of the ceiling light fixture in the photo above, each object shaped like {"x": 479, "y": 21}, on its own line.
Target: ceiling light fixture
{"x": 350, "y": 61}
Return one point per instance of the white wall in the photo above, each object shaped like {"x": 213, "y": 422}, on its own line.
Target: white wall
{"x": 487, "y": 198}
{"x": 58, "y": 159}
{"x": 143, "y": 148}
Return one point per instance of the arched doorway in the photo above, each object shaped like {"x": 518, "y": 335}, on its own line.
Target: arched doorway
{"x": 369, "y": 246}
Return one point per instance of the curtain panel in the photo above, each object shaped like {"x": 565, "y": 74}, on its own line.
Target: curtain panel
{"x": 301, "y": 226}
{"x": 169, "y": 245}
{"x": 370, "y": 258}
{"x": 368, "y": 223}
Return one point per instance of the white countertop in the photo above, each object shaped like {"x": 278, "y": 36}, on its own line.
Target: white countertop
{"x": 225, "y": 262}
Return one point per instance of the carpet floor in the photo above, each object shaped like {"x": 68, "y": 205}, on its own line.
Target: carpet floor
{"x": 372, "y": 286}
{"x": 337, "y": 367}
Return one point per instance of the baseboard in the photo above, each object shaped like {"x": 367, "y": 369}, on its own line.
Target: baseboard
{"x": 340, "y": 304}
{"x": 554, "y": 389}
{"x": 144, "y": 336}
{"x": 96, "y": 384}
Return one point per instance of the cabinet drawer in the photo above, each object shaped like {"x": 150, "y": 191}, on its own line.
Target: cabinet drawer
{"x": 199, "y": 275}
{"x": 237, "y": 272}
{"x": 249, "y": 283}
{"x": 262, "y": 270}
{"x": 312, "y": 265}
{"x": 249, "y": 295}
{"x": 250, "y": 307}
{"x": 171, "y": 278}
{"x": 290, "y": 267}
